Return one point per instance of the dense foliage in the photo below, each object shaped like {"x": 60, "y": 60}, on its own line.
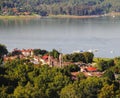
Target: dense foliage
{"x": 40, "y": 52}
{"x": 55, "y": 7}
{"x": 85, "y": 57}
{"x": 20, "y": 78}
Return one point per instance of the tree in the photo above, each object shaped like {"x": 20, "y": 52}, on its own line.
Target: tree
{"x": 55, "y": 53}
{"x": 88, "y": 57}
{"x": 117, "y": 93}
{"x": 102, "y": 65}
{"x": 89, "y": 88}
{"x": 40, "y": 52}
{"x": 110, "y": 63}
{"x": 1, "y": 60}
{"x": 85, "y": 88}
{"x": 3, "y": 50}
{"x": 108, "y": 91}
{"x": 3, "y": 91}
{"x": 72, "y": 68}
{"x": 80, "y": 76}
{"x": 117, "y": 61}
{"x": 51, "y": 81}
{"x": 16, "y": 52}
{"x": 69, "y": 92}
{"x": 29, "y": 91}
{"x": 78, "y": 57}
{"x": 75, "y": 57}
{"x": 36, "y": 51}
{"x": 109, "y": 74}
{"x": 67, "y": 58}
{"x": 17, "y": 71}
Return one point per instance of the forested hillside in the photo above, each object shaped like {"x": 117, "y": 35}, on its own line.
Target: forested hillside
{"x": 55, "y": 7}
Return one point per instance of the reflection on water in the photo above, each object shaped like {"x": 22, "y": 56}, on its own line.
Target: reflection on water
{"x": 101, "y": 33}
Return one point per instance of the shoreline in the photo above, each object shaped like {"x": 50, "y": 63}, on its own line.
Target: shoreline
{"x": 50, "y": 16}
{"x": 72, "y": 16}
{"x": 84, "y": 17}
{"x": 59, "y": 16}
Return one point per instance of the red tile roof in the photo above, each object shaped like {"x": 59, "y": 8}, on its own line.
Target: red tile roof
{"x": 91, "y": 69}
{"x": 45, "y": 57}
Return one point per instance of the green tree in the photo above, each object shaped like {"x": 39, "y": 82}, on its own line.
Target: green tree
{"x": 78, "y": 57}
{"x": 109, "y": 74}
{"x": 108, "y": 91}
{"x": 85, "y": 88}
{"x": 75, "y": 57}
{"x": 16, "y": 52}
{"x": 55, "y": 53}
{"x": 67, "y": 58}
{"x": 102, "y": 65}
{"x": 117, "y": 61}
{"x": 29, "y": 91}
{"x": 51, "y": 81}
{"x": 88, "y": 57}
{"x": 80, "y": 76}
{"x": 117, "y": 93}
{"x": 69, "y": 92}
{"x": 72, "y": 68}
{"x": 3, "y": 50}
{"x": 40, "y": 52}
{"x": 3, "y": 92}
{"x": 90, "y": 87}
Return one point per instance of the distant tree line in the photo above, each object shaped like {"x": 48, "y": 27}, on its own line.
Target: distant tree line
{"x": 55, "y": 7}
{"x": 85, "y": 57}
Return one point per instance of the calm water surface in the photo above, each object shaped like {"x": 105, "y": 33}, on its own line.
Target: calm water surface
{"x": 101, "y": 33}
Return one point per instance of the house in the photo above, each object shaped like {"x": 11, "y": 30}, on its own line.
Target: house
{"x": 50, "y": 60}
{"x": 44, "y": 59}
{"x": 7, "y": 58}
{"x": 27, "y": 52}
{"x": 24, "y": 52}
{"x": 38, "y": 60}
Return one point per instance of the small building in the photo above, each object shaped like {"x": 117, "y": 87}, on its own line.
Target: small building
{"x": 27, "y": 52}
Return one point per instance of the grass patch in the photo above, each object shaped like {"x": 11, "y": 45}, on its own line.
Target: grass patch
{"x": 21, "y": 16}
{"x": 105, "y": 59}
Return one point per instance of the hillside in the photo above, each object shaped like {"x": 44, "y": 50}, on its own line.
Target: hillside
{"x": 55, "y": 7}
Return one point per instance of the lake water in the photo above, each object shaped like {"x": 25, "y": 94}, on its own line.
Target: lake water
{"x": 102, "y": 33}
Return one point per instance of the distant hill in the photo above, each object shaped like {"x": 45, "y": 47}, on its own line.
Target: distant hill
{"x": 55, "y": 7}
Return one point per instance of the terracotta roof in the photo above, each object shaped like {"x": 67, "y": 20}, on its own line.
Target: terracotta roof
{"x": 45, "y": 57}
{"x": 91, "y": 69}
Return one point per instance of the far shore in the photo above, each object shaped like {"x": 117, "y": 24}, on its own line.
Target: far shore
{"x": 50, "y": 16}
{"x": 58, "y": 16}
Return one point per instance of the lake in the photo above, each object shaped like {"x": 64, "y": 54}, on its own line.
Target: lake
{"x": 68, "y": 35}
